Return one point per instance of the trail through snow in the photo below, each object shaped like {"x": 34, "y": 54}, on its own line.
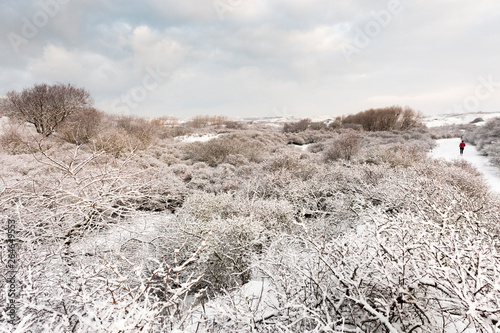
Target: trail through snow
{"x": 448, "y": 149}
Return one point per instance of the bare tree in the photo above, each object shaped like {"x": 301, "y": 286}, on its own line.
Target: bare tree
{"x": 45, "y": 106}
{"x": 409, "y": 118}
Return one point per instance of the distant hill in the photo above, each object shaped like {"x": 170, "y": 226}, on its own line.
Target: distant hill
{"x": 463, "y": 118}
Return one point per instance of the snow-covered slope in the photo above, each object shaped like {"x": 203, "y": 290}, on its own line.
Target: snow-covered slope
{"x": 456, "y": 119}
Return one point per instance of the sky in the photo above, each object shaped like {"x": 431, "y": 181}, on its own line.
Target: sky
{"x": 257, "y": 58}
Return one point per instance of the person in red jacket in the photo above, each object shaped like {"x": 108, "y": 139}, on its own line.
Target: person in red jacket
{"x": 462, "y": 146}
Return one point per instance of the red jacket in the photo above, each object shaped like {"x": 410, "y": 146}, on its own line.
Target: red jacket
{"x": 462, "y": 145}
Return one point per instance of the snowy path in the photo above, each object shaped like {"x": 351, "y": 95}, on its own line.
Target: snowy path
{"x": 448, "y": 149}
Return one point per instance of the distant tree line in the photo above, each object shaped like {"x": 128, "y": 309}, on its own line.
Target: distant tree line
{"x": 382, "y": 119}
{"x": 67, "y": 112}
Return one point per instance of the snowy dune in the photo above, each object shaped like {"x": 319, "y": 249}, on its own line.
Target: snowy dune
{"x": 457, "y": 119}
{"x": 197, "y": 138}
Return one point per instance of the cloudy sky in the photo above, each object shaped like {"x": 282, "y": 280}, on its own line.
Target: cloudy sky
{"x": 242, "y": 58}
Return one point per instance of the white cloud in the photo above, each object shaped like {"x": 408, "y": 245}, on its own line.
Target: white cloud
{"x": 151, "y": 48}
{"x": 261, "y": 55}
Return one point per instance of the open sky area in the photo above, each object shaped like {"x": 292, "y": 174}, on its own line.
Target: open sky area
{"x": 244, "y": 58}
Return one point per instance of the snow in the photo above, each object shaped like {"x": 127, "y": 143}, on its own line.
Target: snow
{"x": 302, "y": 147}
{"x": 259, "y": 296}
{"x": 3, "y": 123}
{"x": 457, "y": 119}
{"x": 254, "y": 301}
{"x": 197, "y": 138}
{"x": 447, "y": 149}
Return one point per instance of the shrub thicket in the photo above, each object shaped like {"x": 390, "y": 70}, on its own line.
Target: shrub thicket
{"x": 80, "y": 127}
{"x": 205, "y": 121}
{"x": 233, "y": 148}
{"x": 487, "y": 139}
{"x": 16, "y": 139}
{"x": 177, "y": 236}
{"x": 386, "y": 119}
{"x": 298, "y": 126}
{"x": 345, "y": 147}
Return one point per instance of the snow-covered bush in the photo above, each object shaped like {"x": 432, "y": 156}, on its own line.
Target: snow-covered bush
{"x": 268, "y": 239}
{"x": 160, "y": 190}
{"x": 205, "y": 207}
{"x": 113, "y": 141}
{"x": 397, "y": 274}
{"x": 298, "y": 126}
{"x": 220, "y": 179}
{"x": 422, "y": 258}
{"x": 80, "y": 127}
{"x": 487, "y": 139}
{"x": 143, "y": 132}
{"x": 345, "y": 147}
{"x": 105, "y": 293}
{"x": 219, "y": 150}
{"x": 13, "y": 142}
{"x": 231, "y": 239}
{"x": 492, "y": 150}
{"x": 397, "y": 155}
{"x": 292, "y": 162}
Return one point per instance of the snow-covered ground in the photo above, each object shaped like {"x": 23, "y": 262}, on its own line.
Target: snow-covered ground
{"x": 448, "y": 149}
{"x": 197, "y": 138}
{"x": 303, "y": 147}
{"x": 457, "y": 119}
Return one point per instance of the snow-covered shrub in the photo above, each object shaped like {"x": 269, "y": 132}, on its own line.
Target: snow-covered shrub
{"x": 487, "y": 139}
{"x": 142, "y": 132}
{"x": 398, "y": 155}
{"x": 307, "y": 137}
{"x": 482, "y": 135}
{"x": 182, "y": 171}
{"x": 326, "y": 192}
{"x": 231, "y": 240}
{"x": 13, "y": 141}
{"x": 458, "y": 175}
{"x": 202, "y": 206}
{"x": 81, "y": 126}
{"x": 102, "y": 293}
{"x": 274, "y": 214}
{"x": 451, "y": 131}
{"x": 218, "y": 150}
{"x": 492, "y": 150}
{"x": 227, "y": 261}
{"x": 402, "y": 272}
{"x": 202, "y": 121}
{"x": 319, "y": 146}
{"x": 219, "y": 179}
{"x": 113, "y": 141}
{"x": 292, "y": 162}
{"x": 345, "y": 147}
{"x": 159, "y": 190}
{"x": 121, "y": 135}
{"x": 238, "y": 227}
{"x": 298, "y": 126}
{"x": 333, "y": 247}
{"x": 237, "y": 160}
{"x": 386, "y": 119}
{"x": 270, "y": 139}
